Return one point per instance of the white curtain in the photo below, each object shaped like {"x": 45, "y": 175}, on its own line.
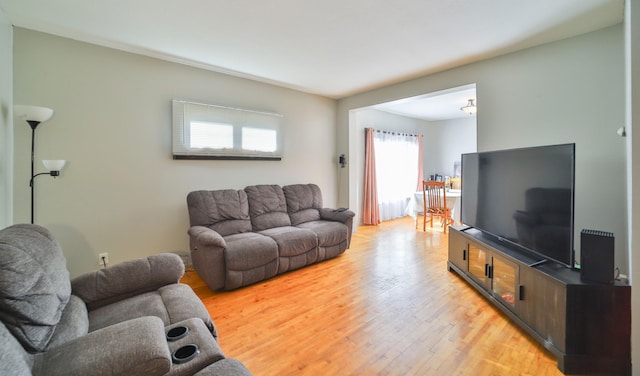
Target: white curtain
{"x": 396, "y": 171}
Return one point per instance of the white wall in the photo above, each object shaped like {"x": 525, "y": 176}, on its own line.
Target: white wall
{"x": 444, "y": 143}
{"x": 6, "y": 120}
{"x": 122, "y": 192}
{"x": 632, "y": 60}
{"x": 568, "y": 91}
{"x": 371, "y": 118}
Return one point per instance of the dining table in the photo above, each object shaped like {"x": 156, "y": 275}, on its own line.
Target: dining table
{"x": 454, "y": 197}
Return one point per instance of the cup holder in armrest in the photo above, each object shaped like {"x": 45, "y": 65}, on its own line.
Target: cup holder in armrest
{"x": 185, "y": 354}
{"x": 177, "y": 333}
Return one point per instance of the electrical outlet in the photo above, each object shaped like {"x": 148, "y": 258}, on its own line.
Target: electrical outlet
{"x": 103, "y": 259}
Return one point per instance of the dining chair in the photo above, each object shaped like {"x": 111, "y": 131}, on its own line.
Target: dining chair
{"x": 434, "y": 195}
{"x": 455, "y": 183}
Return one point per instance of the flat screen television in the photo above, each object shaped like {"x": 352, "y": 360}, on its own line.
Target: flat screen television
{"x": 524, "y": 197}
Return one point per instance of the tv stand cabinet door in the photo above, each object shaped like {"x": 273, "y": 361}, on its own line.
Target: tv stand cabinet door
{"x": 504, "y": 284}
{"x": 480, "y": 265}
{"x": 542, "y": 304}
{"x": 458, "y": 250}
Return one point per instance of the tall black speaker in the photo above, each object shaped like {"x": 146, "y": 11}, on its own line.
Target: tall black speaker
{"x": 597, "y": 256}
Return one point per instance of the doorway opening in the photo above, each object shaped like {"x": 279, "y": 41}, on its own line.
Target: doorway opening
{"x": 448, "y": 132}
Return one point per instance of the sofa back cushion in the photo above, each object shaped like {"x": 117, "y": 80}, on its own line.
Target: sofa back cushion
{"x": 267, "y": 207}
{"x": 34, "y": 284}
{"x": 73, "y": 324}
{"x": 304, "y": 202}
{"x": 224, "y": 211}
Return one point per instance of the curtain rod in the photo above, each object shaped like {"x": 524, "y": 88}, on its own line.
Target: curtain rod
{"x": 392, "y": 132}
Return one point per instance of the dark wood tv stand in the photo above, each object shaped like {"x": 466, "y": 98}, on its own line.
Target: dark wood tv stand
{"x": 586, "y": 326}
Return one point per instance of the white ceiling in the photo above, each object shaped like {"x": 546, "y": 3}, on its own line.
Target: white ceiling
{"x": 333, "y": 48}
{"x": 442, "y": 105}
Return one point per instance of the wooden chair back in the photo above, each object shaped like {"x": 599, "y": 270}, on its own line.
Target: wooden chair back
{"x": 434, "y": 195}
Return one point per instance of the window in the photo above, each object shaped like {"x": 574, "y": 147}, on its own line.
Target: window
{"x": 204, "y": 131}
{"x": 259, "y": 139}
{"x": 205, "y": 135}
{"x": 396, "y": 158}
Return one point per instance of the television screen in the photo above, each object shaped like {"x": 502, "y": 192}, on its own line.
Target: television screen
{"x": 524, "y": 197}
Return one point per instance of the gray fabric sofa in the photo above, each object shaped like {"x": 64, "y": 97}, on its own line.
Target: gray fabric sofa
{"x": 113, "y": 321}
{"x": 240, "y": 237}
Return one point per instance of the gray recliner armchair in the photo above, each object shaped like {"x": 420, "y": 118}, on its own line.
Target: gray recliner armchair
{"x": 114, "y": 321}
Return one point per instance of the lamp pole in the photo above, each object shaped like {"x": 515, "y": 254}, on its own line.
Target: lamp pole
{"x": 34, "y": 124}
{"x": 34, "y": 115}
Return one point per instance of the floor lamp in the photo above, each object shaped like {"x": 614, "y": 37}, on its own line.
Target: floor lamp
{"x": 35, "y": 115}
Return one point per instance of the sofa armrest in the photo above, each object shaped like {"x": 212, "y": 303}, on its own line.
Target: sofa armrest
{"x": 334, "y": 215}
{"x": 205, "y": 236}
{"x": 345, "y": 216}
{"x": 207, "y": 255}
{"x": 134, "y": 347}
{"x": 126, "y": 279}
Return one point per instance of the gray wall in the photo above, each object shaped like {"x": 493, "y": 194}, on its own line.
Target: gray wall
{"x": 632, "y": 67}
{"x": 121, "y": 192}
{"x": 6, "y": 121}
{"x": 445, "y": 141}
{"x": 568, "y": 91}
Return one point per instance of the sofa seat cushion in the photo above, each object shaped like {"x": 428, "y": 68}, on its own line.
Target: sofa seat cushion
{"x": 249, "y": 250}
{"x": 249, "y": 257}
{"x": 328, "y": 232}
{"x": 297, "y": 247}
{"x": 332, "y": 237}
{"x": 171, "y": 303}
{"x": 292, "y": 241}
{"x": 133, "y": 347}
{"x": 34, "y": 284}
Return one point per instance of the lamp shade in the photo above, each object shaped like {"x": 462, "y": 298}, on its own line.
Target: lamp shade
{"x": 32, "y": 113}
{"x": 54, "y": 164}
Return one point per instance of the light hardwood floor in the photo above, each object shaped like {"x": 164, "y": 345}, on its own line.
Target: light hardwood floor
{"x": 387, "y": 306}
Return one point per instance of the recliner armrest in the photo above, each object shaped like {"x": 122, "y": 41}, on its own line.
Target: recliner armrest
{"x": 205, "y": 236}
{"x": 134, "y": 347}
{"x": 335, "y": 215}
{"x": 345, "y": 216}
{"x": 126, "y": 279}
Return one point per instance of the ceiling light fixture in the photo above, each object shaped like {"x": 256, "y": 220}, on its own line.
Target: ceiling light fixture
{"x": 470, "y": 108}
